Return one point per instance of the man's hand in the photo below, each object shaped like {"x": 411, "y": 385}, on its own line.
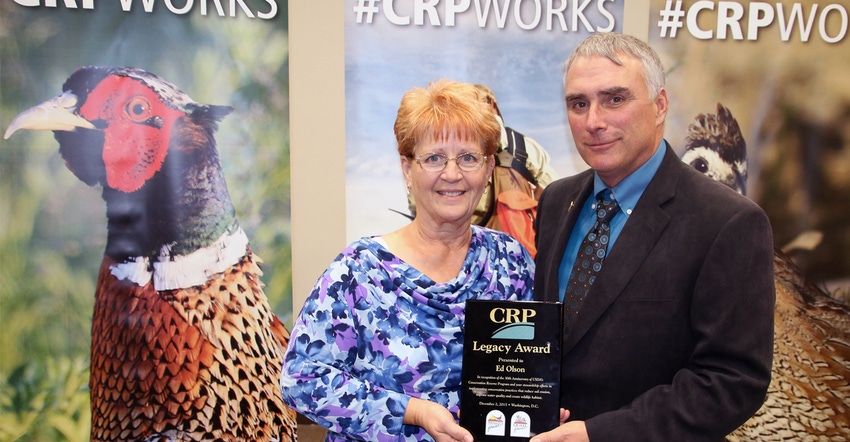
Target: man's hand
{"x": 574, "y": 431}
{"x": 568, "y": 432}
{"x": 436, "y": 420}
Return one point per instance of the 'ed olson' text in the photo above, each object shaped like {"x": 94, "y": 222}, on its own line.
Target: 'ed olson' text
{"x": 222, "y": 8}
{"x": 508, "y": 349}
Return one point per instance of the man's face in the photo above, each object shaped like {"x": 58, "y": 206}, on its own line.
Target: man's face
{"x": 615, "y": 126}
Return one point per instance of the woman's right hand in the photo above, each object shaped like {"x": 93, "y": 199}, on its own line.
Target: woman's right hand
{"x": 436, "y": 420}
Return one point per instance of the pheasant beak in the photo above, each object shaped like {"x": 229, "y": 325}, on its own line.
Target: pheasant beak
{"x": 55, "y": 114}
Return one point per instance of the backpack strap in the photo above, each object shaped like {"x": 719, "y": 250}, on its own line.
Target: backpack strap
{"x": 517, "y": 155}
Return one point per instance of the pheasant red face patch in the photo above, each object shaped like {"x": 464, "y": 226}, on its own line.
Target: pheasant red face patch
{"x": 137, "y": 129}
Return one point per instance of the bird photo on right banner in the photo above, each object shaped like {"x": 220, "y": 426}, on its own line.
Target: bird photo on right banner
{"x": 758, "y": 106}
{"x": 812, "y": 328}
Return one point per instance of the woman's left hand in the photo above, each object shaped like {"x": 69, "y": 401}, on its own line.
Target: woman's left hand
{"x": 436, "y": 420}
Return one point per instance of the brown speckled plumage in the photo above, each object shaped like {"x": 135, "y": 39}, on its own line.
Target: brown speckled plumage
{"x": 188, "y": 364}
{"x": 809, "y": 394}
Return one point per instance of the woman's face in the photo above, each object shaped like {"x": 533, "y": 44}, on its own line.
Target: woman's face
{"x": 451, "y": 195}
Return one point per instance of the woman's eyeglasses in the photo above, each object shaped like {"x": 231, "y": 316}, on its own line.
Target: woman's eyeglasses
{"x": 436, "y": 162}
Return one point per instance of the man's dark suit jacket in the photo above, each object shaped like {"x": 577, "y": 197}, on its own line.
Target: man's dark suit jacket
{"x": 675, "y": 339}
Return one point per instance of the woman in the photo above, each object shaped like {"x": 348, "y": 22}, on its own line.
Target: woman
{"x": 376, "y": 351}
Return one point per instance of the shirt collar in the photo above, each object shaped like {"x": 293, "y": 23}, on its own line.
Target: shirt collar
{"x": 628, "y": 191}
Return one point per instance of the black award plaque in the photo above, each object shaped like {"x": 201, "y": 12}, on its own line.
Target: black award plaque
{"x": 511, "y": 369}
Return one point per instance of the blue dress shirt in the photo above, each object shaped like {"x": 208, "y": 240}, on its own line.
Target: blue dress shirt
{"x": 627, "y": 193}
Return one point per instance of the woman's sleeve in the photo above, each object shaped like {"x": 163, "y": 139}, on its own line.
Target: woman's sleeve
{"x": 318, "y": 378}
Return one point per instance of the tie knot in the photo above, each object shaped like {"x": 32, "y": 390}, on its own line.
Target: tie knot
{"x": 606, "y": 206}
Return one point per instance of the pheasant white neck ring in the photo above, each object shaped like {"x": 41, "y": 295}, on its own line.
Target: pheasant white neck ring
{"x": 170, "y": 272}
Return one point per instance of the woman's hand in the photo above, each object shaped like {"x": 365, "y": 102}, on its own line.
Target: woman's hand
{"x": 436, "y": 420}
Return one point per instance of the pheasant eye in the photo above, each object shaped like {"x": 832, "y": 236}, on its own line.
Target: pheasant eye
{"x": 138, "y": 109}
{"x": 700, "y": 165}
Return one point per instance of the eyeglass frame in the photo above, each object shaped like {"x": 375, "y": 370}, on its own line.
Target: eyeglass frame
{"x": 446, "y": 160}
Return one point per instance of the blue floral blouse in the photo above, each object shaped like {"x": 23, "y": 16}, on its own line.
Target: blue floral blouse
{"x": 375, "y": 332}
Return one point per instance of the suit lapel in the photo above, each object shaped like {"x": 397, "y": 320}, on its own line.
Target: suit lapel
{"x": 634, "y": 244}
{"x": 573, "y": 201}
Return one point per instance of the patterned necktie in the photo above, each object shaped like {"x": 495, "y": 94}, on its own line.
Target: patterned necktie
{"x": 589, "y": 258}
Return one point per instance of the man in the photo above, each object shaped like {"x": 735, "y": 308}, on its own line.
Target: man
{"x": 520, "y": 152}
{"x": 522, "y": 172}
{"x": 672, "y": 339}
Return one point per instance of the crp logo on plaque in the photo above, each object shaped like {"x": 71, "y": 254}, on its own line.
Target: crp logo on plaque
{"x": 518, "y": 325}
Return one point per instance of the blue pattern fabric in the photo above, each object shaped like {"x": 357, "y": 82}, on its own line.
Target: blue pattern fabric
{"x": 376, "y": 332}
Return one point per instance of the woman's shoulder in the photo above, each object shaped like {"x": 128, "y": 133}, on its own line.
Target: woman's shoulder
{"x": 362, "y": 251}
{"x": 490, "y": 235}
{"x": 367, "y": 243}
{"x": 496, "y": 240}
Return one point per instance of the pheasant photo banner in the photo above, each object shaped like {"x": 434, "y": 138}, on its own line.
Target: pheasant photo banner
{"x": 146, "y": 260}
{"x": 758, "y": 101}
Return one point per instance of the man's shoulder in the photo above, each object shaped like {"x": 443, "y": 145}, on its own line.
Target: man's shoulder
{"x": 565, "y": 191}
{"x": 570, "y": 182}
